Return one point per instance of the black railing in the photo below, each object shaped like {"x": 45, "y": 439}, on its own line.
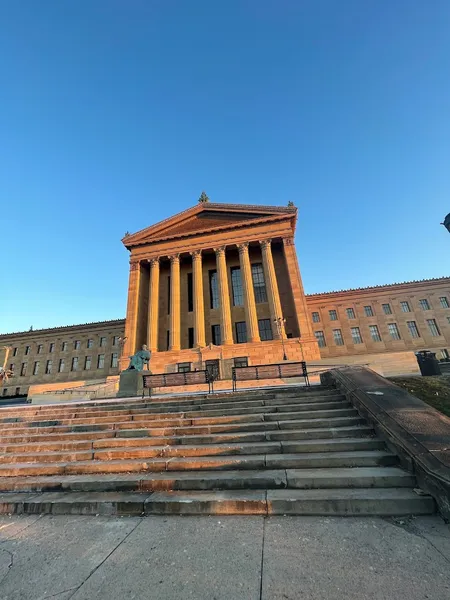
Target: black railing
{"x": 274, "y": 371}
{"x": 160, "y": 380}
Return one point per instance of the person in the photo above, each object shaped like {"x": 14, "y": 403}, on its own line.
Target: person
{"x": 138, "y": 360}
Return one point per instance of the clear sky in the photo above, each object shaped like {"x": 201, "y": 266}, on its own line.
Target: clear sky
{"x": 115, "y": 114}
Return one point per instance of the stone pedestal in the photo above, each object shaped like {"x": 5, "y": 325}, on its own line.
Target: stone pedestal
{"x": 130, "y": 383}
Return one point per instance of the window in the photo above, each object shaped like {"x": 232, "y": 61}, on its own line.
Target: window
{"x": 87, "y": 363}
{"x": 11, "y": 366}
{"x": 23, "y": 369}
{"x": 184, "y": 367}
{"x": 242, "y": 361}
{"x": 15, "y": 352}
{"x": 5, "y": 391}
{"x": 368, "y": 311}
{"x": 61, "y": 365}
{"x": 74, "y": 363}
{"x": 115, "y": 340}
{"x": 432, "y": 326}
{"x": 114, "y": 359}
{"x": 168, "y": 295}
{"x": 424, "y": 304}
{"x": 76, "y": 345}
{"x": 405, "y": 306}
{"x": 216, "y": 335}
{"x": 337, "y": 336}
{"x": 190, "y": 337}
{"x": 90, "y": 343}
{"x": 265, "y": 330}
{"x": 39, "y": 349}
{"x": 356, "y": 335}
{"x": 374, "y": 333}
{"x": 213, "y": 289}
{"x": 236, "y": 285}
{"x": 102, "y": 341}
{"x": 350, "y": 313}
{"x": 213, "y": 368}
{"x": 51, "y": 348}
{"x": 64, "y": 346}
{"x": 48, "y": 367}
{"x": 241, "y": 332}
{"x": 413, "y": 329}
{"x": 259, "y": 284}
{"x": 445, "y": 354}
{"x": 101, "y": 361}
{"x": 27, "y": 349}
{"x": 190, "y": 293}
{"x": 36, "y": 368}
{"x": 387, "y": 309}
{"x": 320, "y": 337}
{"x": 333, "y": 315}
{"x": 17, "y": 391}
{"x": 393, "y": 331}
{"x": 316, "y": 317}
{"x": 444, "y": 302}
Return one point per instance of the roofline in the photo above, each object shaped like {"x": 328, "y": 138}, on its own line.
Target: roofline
{"x": 110, "y": 323}
{"x": 379, "y": 287}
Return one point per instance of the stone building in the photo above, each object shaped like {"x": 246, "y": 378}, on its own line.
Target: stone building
{"x": 219, "y": 285}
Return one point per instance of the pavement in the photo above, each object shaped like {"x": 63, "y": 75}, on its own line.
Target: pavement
{"x": 223, "y": 558}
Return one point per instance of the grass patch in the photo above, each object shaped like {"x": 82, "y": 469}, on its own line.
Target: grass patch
{"x": 434, "y": 390}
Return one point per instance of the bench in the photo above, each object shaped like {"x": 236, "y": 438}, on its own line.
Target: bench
{"x": 275, "y": 371}
{"x": 160, "y": 380}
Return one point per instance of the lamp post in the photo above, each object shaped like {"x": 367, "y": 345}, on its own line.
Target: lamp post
{"x": 280, "y": 328}
{"x": 446, "y": 222}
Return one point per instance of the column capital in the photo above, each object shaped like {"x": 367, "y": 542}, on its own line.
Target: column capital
{"x": 288, "y": 241}
{"x": 196, "y": 254}
{"x": 134, "y": 264}
{"x": 220, "y": 251}
{"x": 153, "y": 262}
{"x": 174, "y": 259}
{"x": 243, "y": 248}
{"x": 265, "y": 243}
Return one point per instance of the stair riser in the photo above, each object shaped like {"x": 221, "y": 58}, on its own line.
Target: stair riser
{"x": 354, "y": 507}
{"x": 302, "y": 483}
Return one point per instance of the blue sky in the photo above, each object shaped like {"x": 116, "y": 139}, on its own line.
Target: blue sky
{"x": 115, "y": 114}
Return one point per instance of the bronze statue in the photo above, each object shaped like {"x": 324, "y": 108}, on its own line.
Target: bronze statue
{"x": 138, "y": 360}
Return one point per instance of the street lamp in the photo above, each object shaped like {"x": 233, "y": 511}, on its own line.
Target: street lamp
{"x": 279, "y": 321}
{"x": 446, "y": 222}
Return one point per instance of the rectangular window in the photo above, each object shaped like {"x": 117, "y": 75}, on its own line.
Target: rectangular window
{"x": 444, "y": 302}
{"x": 387, "y": 309}
{"x": 184, "y": 367}
{"x": 101, "y": 361}
{"x": 432, "y": 326}
{"x": 114, "y": 360}
{"x": 405, "y": 306}
{"x": 76, "y": 345}
{"x": 39, "y": 349}
{"x": 424, "y": 304}
{"x": 265, "y": 330}
{"x": 316, "y": 317}
{"x": 213, "y": 289}
{"x": 168, "y": 295}
{"x": 216, "y": 335}
{"x": 320, "y": 337}
{"x": 356, "y": 335}
{"x": 27, "y": 349}
{"x": 213, "y": 368}
{"x": 350, "y": 313}
{"x": 102, "y": 341}
{"x": 368, "y": 311}
{"x": 115, "y": 340}
{"x": 61, "y": 365}
{"x": 87, "y": 363}
{"x": 74, "y": 363}
{"x": 236, "y": 285}
{"x": 51, "y": 348}
{"x": 11, "y": 366}
{"x": 241, "y": 332}
{"x": 15, "y": 352}
{"x": 190, "y": 337}
{"x": 413, "y": 329}
{"x": 241, "y": 361}
{"x": 337, "y": 336}
{"x": 393, "y": 331}
{"x": 36, "y": 368}
{"x": 17, "y": 392}
{"x": 374, "y": 333}
{"x": 190, "y": 293}
{"x": 333, "y": 315}
{"x": 23, "y": 369}
{"x": 48, "y": 367}
{"x": 259, "y": 284}
{"x": 5, "y": 391}
{"x": 64, "y": 346}
{"x": 90, "y": 343}
{"x": 445, "y": 354}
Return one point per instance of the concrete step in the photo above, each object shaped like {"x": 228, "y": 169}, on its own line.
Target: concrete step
{"x": 359, "y": 477}
{"x": 345, "y": 502}
{"x": 360, "y": 458}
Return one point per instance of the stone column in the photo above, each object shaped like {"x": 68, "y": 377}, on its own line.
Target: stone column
{"x": 131, "y": 323}
{"x": 298, "y": 293}
{"x": 175, "y": 302}
{"x": 224, "y": 296}
{"x": 153, "y": 306}
{"x": 249, "y": 294}
{"x": 199, "y": 309}
{"x": 273, "y": 294}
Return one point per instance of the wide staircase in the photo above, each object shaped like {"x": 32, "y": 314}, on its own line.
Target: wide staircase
{"x": 287, "y": 450}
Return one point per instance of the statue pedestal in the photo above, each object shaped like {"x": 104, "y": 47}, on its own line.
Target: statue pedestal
{"x": 130, "y": 384}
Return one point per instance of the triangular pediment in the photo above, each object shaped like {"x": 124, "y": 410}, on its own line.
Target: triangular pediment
{"x": 204, "y": 218}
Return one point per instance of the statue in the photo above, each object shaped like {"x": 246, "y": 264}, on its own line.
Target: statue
{"x": 138, "y": 360}
{"x": 5, "y": 373}
{"x": 203, "y": 198}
